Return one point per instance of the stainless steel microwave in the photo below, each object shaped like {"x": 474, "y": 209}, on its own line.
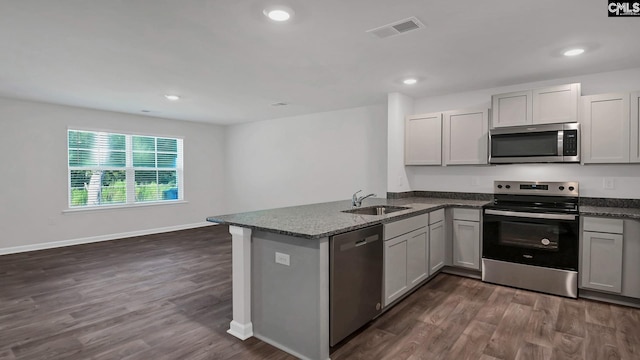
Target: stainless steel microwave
{"x": 535, "y": 143}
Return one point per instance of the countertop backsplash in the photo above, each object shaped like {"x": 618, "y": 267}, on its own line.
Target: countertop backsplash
{"x": 610, "y": 202}
{"x": 440, "y": 195}
{"x": 584, "y": 201}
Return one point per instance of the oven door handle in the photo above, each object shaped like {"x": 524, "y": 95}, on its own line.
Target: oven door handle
{"x": 530, "y": 215}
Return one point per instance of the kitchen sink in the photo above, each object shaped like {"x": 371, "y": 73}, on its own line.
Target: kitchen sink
{"x": 376, "y": 210}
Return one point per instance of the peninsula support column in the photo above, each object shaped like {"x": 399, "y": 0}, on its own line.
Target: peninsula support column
{"x": 241, "y": 326}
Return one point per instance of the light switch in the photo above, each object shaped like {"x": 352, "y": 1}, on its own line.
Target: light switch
{"x": 282, "y": 259}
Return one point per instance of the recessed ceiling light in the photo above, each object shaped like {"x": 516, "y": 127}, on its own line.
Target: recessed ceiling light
{"x": 410, "y": 81}
{"x": 573, "y": 52}
{"x": 278, "y": 13}
{"x": 172, "y": 97}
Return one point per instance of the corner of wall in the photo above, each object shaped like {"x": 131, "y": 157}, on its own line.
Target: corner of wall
{"x": 398, "y": 107}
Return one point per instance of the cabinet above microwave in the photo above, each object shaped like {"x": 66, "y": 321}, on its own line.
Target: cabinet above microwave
{"x": 551, "y": 105}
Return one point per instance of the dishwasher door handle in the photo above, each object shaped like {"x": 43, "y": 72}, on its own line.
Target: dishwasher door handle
{"x": 355, "y": 244}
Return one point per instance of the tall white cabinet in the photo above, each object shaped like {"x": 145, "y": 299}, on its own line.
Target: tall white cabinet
{"x": 465, "y": 137}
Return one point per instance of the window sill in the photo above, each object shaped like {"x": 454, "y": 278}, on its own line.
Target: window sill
{"x": 124, "y": 206}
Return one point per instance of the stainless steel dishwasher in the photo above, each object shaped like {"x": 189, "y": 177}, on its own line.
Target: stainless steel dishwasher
{"x": 355, "y": 280}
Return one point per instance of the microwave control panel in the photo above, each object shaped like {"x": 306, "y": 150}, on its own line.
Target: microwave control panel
{"x": 570, "y": 143}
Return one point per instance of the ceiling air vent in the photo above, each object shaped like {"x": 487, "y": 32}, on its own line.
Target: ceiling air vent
{"x": 397, "y": 28}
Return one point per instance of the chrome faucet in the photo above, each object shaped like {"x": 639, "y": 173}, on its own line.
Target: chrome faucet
{"x": 357, "y": 201}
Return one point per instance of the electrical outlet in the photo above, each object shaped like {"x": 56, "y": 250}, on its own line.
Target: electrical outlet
{"x": 609, "y": 183}
{"x": 282, "y": 259}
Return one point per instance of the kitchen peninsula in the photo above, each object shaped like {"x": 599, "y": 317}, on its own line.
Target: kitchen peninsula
{"x": 281, "y": 267}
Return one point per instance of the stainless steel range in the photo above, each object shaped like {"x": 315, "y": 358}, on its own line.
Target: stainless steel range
{"x": 530, "y": 236}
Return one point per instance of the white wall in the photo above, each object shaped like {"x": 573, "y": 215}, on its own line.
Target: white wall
{"x": 306, "y": 159}
{"x": 33, "y": 194}
{"x": 398, "y": 107}
{"x": 480, "y": 178}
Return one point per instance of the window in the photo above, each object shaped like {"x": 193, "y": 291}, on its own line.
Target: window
{"x": 118, "y": 169}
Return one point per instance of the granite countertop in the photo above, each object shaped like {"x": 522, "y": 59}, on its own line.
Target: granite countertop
{"x": 316, "y": 221}
{"x": 619, "y": 212}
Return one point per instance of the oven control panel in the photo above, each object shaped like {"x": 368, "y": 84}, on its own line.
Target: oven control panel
{"x": 549, "y": 188}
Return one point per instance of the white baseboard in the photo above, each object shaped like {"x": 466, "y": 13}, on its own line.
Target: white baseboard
{"x": 92, "y": 239}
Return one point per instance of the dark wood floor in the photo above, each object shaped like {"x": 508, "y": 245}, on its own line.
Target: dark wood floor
{"x": 168, "y": 296}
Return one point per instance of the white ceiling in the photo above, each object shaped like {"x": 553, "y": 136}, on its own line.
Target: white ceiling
{"x": 230, "y": 63}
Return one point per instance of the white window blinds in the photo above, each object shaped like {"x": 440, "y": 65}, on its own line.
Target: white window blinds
{"x": 119, "y": 169}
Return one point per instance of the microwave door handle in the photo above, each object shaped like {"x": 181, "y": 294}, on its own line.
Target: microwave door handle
{"x": 530, "y": 215}
{"x": 560, "y": 143}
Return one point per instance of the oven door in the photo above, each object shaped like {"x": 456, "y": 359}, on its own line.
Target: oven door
{"x": 540, "y": 239}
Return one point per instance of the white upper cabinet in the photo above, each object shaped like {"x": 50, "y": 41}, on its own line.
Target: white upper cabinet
{"x": 634, "y": 155}
{"x": 511, "y": 109}
{"x": 465, "y": 137}
{"x": 605, "y": 126}
{"x": 556, "y": 104}
{"x": 423, "y": 139}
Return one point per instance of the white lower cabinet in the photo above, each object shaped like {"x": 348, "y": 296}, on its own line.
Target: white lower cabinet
{"x": 417, "y": 265}
{"x": 466, "y": 238}
{"x": 610, "y": 249}
{"x": 602, "y": 245}
{"x": 405, "y": 263}
{"x": 406, "y": 256}
{"x": 417, "y": 247}
{"x": 437, "y": 248}
{"x": 395, "y": 269}
{"x": 602, "y": 266}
